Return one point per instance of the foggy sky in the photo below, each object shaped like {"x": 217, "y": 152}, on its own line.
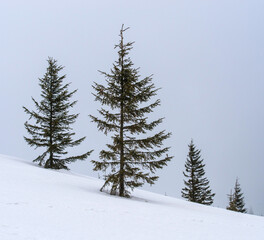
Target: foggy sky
{"x": 207, "y": 57}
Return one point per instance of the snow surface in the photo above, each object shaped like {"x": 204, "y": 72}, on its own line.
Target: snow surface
{"x": 43, "y": 204}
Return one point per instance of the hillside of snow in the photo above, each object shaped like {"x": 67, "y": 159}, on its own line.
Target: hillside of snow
{"x": 41, "y": 204}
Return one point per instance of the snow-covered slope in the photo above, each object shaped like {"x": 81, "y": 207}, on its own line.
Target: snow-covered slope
{"x": 37, "y": 203}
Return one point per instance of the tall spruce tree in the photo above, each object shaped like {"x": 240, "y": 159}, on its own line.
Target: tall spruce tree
{"x": 52, "y": 127}
{"x": 131, "y": 158}
{"x": 236, "y": 200}
{"x": 197, "y": 187}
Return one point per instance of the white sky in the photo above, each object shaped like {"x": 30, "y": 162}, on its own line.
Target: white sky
{"x": 207, "y": 56}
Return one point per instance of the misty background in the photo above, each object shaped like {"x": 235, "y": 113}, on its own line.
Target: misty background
{"x": 207, "y": 57}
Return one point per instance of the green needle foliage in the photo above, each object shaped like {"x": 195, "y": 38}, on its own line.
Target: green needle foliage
{"x": 197, "y": 187}
{"x": 131, "y": 158}
{"x": 51, "y": 129}
{"x": 236, "y": 200}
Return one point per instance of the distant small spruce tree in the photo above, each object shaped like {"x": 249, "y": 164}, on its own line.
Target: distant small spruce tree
{"x": 52, "y": 127}
{"x": 236, "y": 200}
{"x": 131, "y": 158}
{"x": 232, "y": 205}
{"x": 197, "y": 187}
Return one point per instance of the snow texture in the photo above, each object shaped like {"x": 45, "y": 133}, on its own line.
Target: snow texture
{"x": 41, "y": 204}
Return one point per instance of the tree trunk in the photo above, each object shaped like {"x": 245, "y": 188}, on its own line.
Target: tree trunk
{"x": 121, "y": 173}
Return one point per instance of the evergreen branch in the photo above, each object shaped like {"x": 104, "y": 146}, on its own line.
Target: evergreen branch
{"x": 40, "y": 158}
{"x": 150, "y": 142}
{"x": 110, "y": 117}
{"x": 79, "y": 157}
{"x": 104, "y": 126}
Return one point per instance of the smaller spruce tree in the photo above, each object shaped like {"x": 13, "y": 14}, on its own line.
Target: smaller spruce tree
{"x": 232, "y": 205}
{"x": 197, "y": 187}
{"x": 236, "y": 200}
{"x": 52, "y": 128}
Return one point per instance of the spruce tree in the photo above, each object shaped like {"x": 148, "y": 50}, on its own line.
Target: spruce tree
{"x": 232, "y": 205}
{"x": 236, "y": 200}
{"x": 51, "y": 128}
{"x": 197, "y": 187}
{"x": 131, "y": 158}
